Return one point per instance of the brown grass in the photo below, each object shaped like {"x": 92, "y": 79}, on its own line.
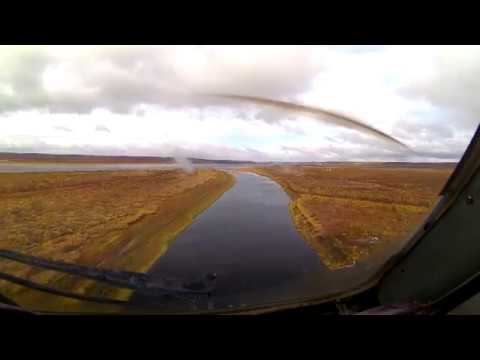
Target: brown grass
{"x": 346, "y": 212}
{"x": 122, "y": 220}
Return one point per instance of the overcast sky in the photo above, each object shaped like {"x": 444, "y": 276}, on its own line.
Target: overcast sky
{"x": 138, "y": 101}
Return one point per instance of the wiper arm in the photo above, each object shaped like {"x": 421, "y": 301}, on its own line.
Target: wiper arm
{"x": 123, "y": 279}
{"x": 119, "y": 278}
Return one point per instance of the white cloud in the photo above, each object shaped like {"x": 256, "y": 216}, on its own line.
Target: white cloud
{"x": 118, "y": 77}
{"x": 130, "y": 100}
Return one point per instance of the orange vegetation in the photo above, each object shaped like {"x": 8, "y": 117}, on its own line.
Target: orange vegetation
{"x": 346, "y": 212}
{"x": 122, "y": 220}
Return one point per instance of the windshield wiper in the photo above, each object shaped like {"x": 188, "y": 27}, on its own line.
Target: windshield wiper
{"x": 139, "y": 282}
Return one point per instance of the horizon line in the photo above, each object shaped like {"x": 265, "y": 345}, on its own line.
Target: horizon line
{"x": 170, "y": 157}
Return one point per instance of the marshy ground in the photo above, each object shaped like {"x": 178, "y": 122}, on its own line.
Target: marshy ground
{"x": 117, "y": 220}
{"x": 128, "y": 219}
{"x": 347, "y": 212}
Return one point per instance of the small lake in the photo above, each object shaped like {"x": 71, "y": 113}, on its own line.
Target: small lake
{"x": 248, "y": 239}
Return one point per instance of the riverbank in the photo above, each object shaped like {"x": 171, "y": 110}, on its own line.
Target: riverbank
{"x": 249, "y": 240}
{"x": 121, "y": 219}
{"x": 348, "y": 212}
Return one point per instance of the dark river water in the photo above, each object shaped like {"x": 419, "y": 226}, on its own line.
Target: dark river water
{"x": 248, "y": 239}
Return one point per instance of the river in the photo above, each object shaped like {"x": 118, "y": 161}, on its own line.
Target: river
{"x": 248, "y": 239}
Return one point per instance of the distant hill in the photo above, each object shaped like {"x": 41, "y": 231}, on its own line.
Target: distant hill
{"x": 72, "y": 158}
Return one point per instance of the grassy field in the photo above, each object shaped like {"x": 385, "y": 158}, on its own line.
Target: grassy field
{"x": 347, "y": 212}
{"x": 118, "y": 220}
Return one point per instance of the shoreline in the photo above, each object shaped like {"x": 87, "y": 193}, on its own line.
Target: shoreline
{"x": 134, "y": 247}
{"x": 345, "y": 225}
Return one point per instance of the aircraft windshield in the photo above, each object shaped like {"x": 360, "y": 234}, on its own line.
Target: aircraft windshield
{"x": 201, "y": 178}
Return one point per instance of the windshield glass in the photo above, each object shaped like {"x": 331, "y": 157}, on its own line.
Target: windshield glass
{"x": 193, "y": 178}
